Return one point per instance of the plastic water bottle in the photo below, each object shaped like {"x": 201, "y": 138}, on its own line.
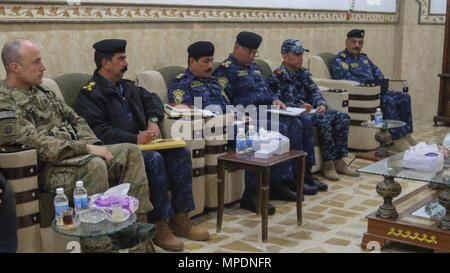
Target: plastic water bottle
{"x": 80, "y": 196}
{"x": 241, "y": 146}
{"x": 378, "y": 116}
{"x": 251, "y": 135}
{"x": 61, "y": 203}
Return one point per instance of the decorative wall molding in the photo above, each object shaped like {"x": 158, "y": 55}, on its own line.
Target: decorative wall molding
{"x": 36, "y": 12}
{"x": 426, "y": 18}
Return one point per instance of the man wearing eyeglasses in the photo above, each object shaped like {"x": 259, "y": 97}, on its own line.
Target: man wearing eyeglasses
{"x": 244, "y": 84}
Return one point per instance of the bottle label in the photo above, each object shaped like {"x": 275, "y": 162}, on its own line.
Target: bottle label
{"x": 240, "y": 144}
{"x": 80, "y": 203}
{"x": 378, "y": 119}
{"x": 249, "y": 142}
{"x": 59, "y": 208}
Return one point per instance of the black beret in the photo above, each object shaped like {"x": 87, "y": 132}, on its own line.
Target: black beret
{"x": 356, "y": 33}
{"x": 111, "y": 46}
{"x": 201, "y": 49}
{"x": 249, "y": 39}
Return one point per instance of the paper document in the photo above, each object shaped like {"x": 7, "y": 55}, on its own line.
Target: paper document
{"x": 291, "y": 111}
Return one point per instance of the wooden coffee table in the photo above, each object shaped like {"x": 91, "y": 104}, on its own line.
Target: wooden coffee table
{"x": 247, "y": 161}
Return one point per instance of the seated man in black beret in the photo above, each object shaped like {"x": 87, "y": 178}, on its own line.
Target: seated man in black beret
{"x": 118, "y": 111}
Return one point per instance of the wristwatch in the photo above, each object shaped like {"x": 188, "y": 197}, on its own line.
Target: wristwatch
{"x": 154, "y": 120}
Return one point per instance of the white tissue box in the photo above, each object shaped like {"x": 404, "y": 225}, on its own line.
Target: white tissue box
{"x": 423, "y": 157}
{"x": 263, "y": 154}
{"x": 283, "y": 146}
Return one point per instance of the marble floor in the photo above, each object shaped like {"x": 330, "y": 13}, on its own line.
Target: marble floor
{"x": 333, "y": 221}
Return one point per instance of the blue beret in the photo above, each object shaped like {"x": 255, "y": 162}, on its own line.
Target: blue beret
{"x": 293, "y": 45}
{"x": 249, "y": 39}
{"x": 201, "y": 49}
{"x": 111, "y": 46}
{"x": 356, "y": 33}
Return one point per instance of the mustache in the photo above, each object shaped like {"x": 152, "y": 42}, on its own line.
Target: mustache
{"x": 209, "y": 70}
{"x": 124, "y": 69}
{"x": 356, "y": 48}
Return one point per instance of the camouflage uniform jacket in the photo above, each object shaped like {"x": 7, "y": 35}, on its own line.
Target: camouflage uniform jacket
{"x": 295, "y": 89}
{"x": 185, "y": 87}
{"x": 46, "y": 123}
{"x": 244, "y": 85}
{"x": 360, "y": 69}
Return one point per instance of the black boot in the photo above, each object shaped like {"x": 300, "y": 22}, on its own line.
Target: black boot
{"x": 312, "y": 181}
{"x": 281, "y": 192}
{"x": 248, "y": 202}
{"x": 307, "y": 189}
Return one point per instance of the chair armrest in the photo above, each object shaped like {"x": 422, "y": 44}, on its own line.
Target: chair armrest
{"x": 398, "y": 85}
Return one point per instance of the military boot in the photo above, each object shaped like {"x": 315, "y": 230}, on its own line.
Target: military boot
{"x": 164, "y": 237}
{"x": 329, "y": 171}
{"x": 182, "y": 226}
{"x": 341, "y": 167}
{"x": 411, "y": 140}
{"x": 399, "y": 145}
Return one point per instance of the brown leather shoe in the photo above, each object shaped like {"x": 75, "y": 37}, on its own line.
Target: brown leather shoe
{"x": 181, "y": 225}
{"x": 165, "y": 239}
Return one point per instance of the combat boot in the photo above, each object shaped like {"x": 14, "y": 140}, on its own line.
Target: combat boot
{"x": 165, "y": 239}
{"x": 329, "y": 171}
{"x": 410, "y": 140}
{"x": 341, "y": 167}
{"x": 182, "y": 226}
{"x": 399, "y": 145}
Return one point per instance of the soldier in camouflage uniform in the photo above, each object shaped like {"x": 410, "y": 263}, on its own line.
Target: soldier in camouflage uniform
{"x": 48, "y": 125}
{"x": 118, "y": 111}
{"x": 352, "y": 64}
{"x": 244, "y": 84}
{"x": 294, "y": 86}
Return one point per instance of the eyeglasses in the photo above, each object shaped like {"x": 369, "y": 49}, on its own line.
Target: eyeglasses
{"x": 250, "y": 52}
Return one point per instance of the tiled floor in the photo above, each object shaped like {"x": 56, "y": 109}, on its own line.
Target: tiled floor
{"x": 333, "y": 221}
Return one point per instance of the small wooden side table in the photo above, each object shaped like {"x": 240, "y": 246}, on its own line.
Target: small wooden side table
{"x": 247, "y": 161}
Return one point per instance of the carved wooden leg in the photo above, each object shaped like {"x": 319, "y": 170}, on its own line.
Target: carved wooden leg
{"x": 388, "y": 189}
{"x": 444, "y": 200}
{"x": 220, "y": 193}
{"x": 371, "y": 242}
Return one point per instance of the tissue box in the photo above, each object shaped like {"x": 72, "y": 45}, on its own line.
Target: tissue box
{"x": 423, "y": 157}
{"x": 263, "y": 154}
{"x": 283, "y": 146}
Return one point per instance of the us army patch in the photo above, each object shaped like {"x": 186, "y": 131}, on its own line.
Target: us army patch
{"x": 345, "y": 66}
{"x": 178, "y": 95}
{"x": 196, "y": 83}
{"x": 353, "y": 65}
{"x": 242, "y": 73}
{"x": 8, "y": 127}
{"x": 89, "y": 86}
{"x": 222, "y": 81}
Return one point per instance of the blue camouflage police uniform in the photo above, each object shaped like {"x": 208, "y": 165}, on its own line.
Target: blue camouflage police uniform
{"x": 395, "y": 105}
{"x": 248, "y": 86}
{"x": 295, "y": 89}
{"x": 117, "y": 115}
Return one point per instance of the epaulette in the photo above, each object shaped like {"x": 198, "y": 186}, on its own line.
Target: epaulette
{"x": 179, "y": 76}
{"x": 226, "y": 64}
{"x": 279, "y": 72}
{"x": 89, "y": 86}
{"x": 343, "y": 55}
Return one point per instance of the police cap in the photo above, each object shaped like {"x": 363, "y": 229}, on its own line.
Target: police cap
{"x": 356, "y": 33}
{"x": 249, "y": 39}
{"x": 293, "y": 45}
{"x": 111, "y": 46}
{"x": 201, "y": 49}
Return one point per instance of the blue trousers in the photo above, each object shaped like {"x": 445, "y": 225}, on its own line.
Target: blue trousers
{"x": 332, "y": 128}
{"x": 396, "y": 105}
{"x": 169, "y": 170}
{"x": 8, "y": 223}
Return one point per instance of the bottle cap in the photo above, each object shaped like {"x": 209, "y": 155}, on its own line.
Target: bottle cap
{"x": 79, "y": 184}
{"x": 378, "y": 109}
{"x": 60, "y": 191}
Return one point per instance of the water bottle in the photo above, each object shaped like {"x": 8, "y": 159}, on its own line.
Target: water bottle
{"x": 61, "y": 203}
{"x": 251, "y": 135}
{"x": 446, "y": 142}
{"x": 80, "y": 197}
{"x": 241, "y": 146}
{"x": 378, "y": 116}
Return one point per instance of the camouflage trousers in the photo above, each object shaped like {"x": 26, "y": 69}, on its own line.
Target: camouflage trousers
{"x": 332, "y": 130}
{"x": 396, "y": 105}
{"x": 169, "y": 170}
{"x": 127, "y": 166}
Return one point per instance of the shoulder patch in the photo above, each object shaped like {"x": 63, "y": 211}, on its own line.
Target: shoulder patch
{"x": 222, "y": 81}
{"x": 178, "y": 95}
{"x": 366, "y": 61}
{"x": 344, "y": 65}
{"x": 89, "y": 86}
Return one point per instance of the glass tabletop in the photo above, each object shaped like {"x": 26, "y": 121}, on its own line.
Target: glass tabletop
{"x": 85, "y": 230}
{"x": 392, "y": 166}
{"x": 387, "y": 124}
